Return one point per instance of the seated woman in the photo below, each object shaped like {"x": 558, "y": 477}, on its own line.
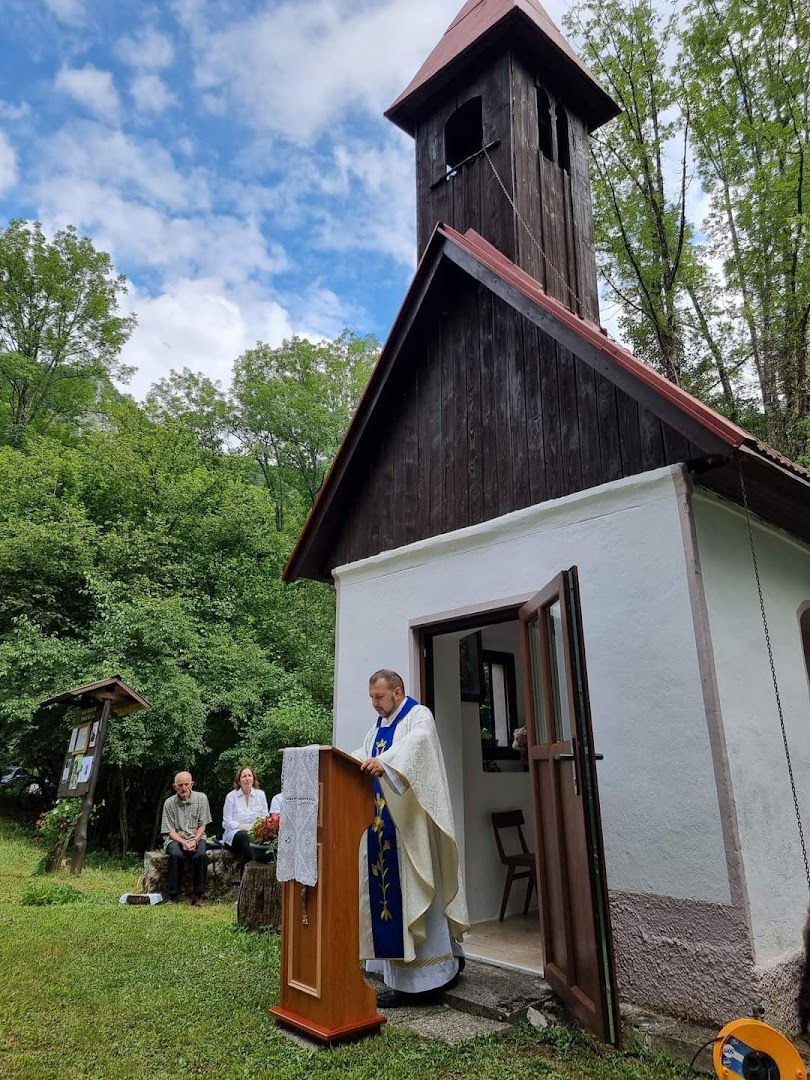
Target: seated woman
{"x": 243, "y": 806}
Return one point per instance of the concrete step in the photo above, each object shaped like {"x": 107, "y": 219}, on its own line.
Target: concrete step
{"x": 500, "y": 994}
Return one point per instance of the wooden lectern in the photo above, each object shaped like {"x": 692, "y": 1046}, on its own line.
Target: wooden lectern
{"x": 323, "y": 992}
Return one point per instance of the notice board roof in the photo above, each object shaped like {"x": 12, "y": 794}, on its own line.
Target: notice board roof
{"x": 123, "y": 698}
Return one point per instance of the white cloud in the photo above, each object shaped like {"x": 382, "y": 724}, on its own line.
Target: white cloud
{"x": 151, "y": 95}
{"x": 68, "y": 11}
{"x": 200, "y": 324}
{"x": 138, "y": 168}
{"x": 148, "y": 49}
{"x": 8, "y": 165}
{"x": 139, "y": 234}
{"x": 297, "y": 66}
{"x": 92, "y": 88}
{"x": 385, "y": 174}
{"x": 9, "y": 111}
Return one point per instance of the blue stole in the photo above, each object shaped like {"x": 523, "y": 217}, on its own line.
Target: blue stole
{"x": 384, "y": 889}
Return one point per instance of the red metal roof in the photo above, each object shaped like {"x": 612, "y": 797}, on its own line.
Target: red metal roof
{"x": 479, "y": 20}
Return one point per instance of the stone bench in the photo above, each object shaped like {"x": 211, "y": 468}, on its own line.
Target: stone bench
{"x": 222, "y": 878}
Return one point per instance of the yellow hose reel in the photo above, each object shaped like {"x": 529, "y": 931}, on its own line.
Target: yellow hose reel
{"x": 756, "y": 1051}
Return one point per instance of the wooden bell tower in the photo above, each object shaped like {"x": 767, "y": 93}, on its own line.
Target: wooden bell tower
{"x": 501, "y": 111}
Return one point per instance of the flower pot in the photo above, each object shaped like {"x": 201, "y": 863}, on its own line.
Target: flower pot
{"x": 262, "y": 853}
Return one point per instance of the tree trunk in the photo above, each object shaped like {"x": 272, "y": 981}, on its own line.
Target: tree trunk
{"x": 159, "y": 809}
{"x": 259, "y": 903}
{"x": 122, "y": 814}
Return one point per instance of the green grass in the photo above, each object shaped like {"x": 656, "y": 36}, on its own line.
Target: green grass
{"x": 98, "y": 990}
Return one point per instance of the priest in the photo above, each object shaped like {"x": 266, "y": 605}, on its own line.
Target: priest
{"x": 413, "y": 912}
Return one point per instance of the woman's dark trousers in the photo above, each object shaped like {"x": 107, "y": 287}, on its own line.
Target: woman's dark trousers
{"x": 240, "y": 846}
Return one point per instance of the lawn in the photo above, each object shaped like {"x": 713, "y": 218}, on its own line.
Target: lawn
{"x": 95, "y": 989}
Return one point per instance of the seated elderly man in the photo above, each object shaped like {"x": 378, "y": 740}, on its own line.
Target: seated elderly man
{"x": 185, "y": 817}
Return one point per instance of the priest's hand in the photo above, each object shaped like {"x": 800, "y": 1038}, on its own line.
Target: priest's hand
{"x": 372, "y": 766}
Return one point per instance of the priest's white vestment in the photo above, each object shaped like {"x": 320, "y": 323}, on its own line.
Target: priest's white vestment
{"x": 415, "y": 789}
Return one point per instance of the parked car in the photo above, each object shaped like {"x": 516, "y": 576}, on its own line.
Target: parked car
{"x": 30, "y": 791}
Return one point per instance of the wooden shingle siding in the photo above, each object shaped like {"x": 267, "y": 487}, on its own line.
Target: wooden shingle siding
{"x": 488, "y": 415}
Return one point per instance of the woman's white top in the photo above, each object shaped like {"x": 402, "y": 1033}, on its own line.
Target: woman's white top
{"x": 276, "y": 804}
{"x": 237, "y": 812}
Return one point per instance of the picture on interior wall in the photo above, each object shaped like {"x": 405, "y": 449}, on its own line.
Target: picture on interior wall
{"x": 470, "y": 668}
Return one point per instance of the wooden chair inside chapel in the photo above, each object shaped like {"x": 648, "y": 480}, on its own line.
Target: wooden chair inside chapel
{"x": 520, "y": 864}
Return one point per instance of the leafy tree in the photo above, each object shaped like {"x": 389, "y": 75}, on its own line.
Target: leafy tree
{"x": 640, "y": 215}
{"x": 746, "y": 69}
{"x": 133, "y": 553}
{"x": 641, "y": 182}
{"x": 60, "y": 331}
{"x": 723, "y": 305}
{"x": 197, "y": 402}
{"x": 292, "y": 405}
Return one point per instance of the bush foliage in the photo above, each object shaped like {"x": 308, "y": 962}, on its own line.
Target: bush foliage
{"x": 148, "y": 541}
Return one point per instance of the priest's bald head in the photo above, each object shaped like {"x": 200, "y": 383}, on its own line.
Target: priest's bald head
{"x": 387, "y": 691}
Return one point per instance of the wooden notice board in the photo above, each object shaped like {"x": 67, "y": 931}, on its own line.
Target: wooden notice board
{"x": 83, "y": 753}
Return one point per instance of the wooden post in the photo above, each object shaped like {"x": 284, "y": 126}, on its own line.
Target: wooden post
{"x": 80, "y": 835}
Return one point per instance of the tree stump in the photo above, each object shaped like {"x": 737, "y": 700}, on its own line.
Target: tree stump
{"x": 259, "y": 903}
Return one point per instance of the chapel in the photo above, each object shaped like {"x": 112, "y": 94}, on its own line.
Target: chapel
{"x": 555, "y": 546}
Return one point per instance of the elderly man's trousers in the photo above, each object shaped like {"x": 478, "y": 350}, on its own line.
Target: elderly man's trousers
{"x": 177, "y": 860}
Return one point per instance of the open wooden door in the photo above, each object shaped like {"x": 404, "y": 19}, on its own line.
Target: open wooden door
{"x": 570, "y": 856}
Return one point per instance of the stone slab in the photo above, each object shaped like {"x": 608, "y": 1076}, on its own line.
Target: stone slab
{"x": 444, "y": 1024}
{"x": 499, "y": 994}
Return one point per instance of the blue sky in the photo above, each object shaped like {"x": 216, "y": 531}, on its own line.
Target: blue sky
{"x": 231, "y": 155}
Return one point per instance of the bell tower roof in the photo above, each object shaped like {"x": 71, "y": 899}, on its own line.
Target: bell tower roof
{"x": 479, "y": 24}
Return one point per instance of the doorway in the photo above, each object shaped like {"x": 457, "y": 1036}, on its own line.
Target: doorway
{"x": 474, "y": 685}
{"x": 508, "y": 689}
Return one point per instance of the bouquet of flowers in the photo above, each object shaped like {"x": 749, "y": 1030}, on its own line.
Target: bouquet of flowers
{"x": 264, "y": 830}
{"x": 520, "y": 739}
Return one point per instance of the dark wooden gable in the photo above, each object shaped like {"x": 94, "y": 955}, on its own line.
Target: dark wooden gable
{"x": 487, "y": 414}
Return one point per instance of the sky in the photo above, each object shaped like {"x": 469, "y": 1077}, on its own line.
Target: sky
{"x": 231, "y": 156}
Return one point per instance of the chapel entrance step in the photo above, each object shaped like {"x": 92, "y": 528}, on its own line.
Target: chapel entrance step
{"x": 500, "y": 993}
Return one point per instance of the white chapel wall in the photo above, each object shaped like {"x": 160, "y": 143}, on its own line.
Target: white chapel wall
{"x": 658, "y": 795}
{"x": 774, "y": 870}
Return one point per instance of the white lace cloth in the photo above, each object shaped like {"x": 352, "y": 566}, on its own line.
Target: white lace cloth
{"x": 297, "y": 858}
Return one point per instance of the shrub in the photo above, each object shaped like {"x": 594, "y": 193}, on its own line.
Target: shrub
{"x": 54, "y": 827}
{"x": 47, "y": 894}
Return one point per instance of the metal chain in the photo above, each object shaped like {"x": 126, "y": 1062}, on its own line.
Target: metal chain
{"x": 548, "y": 263}
{"x": 755, "y": 561}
